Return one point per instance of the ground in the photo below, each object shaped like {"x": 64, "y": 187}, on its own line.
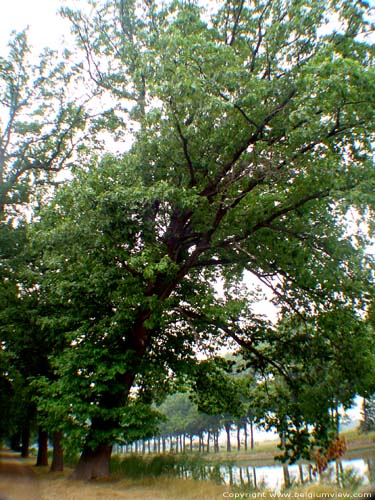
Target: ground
{"x": 20, "y": 480}
{"x": 17, "y": 479}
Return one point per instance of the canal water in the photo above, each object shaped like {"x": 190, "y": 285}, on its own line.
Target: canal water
{"x": 273, "y": 477}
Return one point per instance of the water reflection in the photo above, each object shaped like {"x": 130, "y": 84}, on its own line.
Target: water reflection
{"x": 277, "y": 476}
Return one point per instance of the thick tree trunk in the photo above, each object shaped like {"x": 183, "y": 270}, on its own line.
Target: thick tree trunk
{"x": 94, "y": 463}
{"x": 58, "y": 453}
{"x": 42, "y": 457}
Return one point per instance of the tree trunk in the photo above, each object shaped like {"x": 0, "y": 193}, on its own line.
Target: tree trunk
{"x": 251, "y": 435}
{"x": 217, "y": 442}
{"x": 15, "y": 442}
{"x": 25, "y": 441}
{"x": 255, "y": 478}
{"x": 58, "y": 453}
{"x": 184, "y": 443}
{"x": 301, "y": 476}
{"x": 42, "y": 458}
{"x": 94, "y": 463}
{"x": 238, "y": 438}
{"x": 245, "y": 434}
{"x": 227, "y": 430}
{"x": 287, "y": 482}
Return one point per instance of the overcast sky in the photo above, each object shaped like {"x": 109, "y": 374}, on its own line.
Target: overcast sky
{"x": 46, "y": 26}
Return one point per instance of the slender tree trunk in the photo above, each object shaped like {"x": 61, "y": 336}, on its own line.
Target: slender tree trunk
{"x": 238, "y": 438}
{"x": 230, "y": 470}
{"x": 58, "y": 453}
{"x": 15, "y": 442}
{"x": 241, "y": 476}
{"x": 163, "y": 444}
{"x": 208, "y": 441}
{"x": 301, "y": 476}
{"x": 191, "y": 443}
{"x": 285, "y": 466}
{"x": 42, "y": 457}
{"x": 227, "y": 430}
{"x": 255, "y": 478}
{"x": 310, "y": 470}
{"x": 286, "y": 476}
{"x": 251, "y": 435}
{"x": 245, "y": 434}
{"x": 25, "y": 441}
{"x": 200, "y": 442}
{"x": 217, "y": 442}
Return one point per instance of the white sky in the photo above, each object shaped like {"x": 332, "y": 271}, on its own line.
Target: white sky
{"x": 46, "y": 26}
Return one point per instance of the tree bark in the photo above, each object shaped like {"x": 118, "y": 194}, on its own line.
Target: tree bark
{"x": 227, "y": 430}
{"x": 25, "y": 441}
{"x": 15, "y": 442}
{"x": 287, "y": 482}
{"x": 42, "y": 457}
{"x": 251, "y": 434}
{"x": 216, "y": 438}
{"x": 245, "y": 434}
{"x": 94, "y": 463}
{"x": 58, "y": 453}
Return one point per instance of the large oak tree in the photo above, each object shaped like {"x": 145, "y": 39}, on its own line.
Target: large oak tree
{"x": 251, "y": 125}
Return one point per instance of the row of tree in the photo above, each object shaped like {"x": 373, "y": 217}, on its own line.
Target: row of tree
{"x": 247, "y": 132}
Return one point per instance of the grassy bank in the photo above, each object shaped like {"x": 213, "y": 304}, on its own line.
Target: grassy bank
{"x": 59, "y": 487}
{"x": 154, "y": 478}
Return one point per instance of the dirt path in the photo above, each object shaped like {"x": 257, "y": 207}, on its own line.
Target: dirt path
{"x": 17, "y": 480}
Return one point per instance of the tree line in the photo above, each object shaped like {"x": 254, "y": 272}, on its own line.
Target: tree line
{"x": 245, "y": 138}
